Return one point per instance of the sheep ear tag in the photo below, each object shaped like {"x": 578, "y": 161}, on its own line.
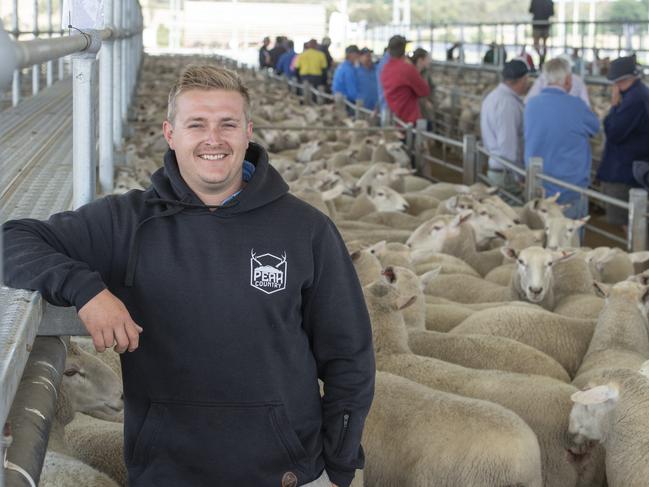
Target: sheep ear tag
{"x": 268, "y": 272}
{"x": 596, "y": 395}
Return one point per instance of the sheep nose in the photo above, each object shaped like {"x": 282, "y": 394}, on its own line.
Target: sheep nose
{"x": 535, "y": 290}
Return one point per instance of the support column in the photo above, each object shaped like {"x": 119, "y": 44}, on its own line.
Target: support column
{"x": 117, "y": 78}
{"x": 106, "y": 151}
{"x": 637, "y": 237}
{"x": 534, "y": 168}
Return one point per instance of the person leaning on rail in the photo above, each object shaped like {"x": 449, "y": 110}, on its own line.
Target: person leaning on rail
{"x": 501, "y": 124}
{"x": 240, "y": 311}
{"x": 627, "y": 135}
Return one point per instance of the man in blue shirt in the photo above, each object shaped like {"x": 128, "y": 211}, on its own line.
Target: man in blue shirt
{"x": 379, "y": 68}
{"x": 367, "y": 84}
{"x": 558, "y": 127}
{"x": 627, "y": 135}
{"x": 345, "y": 78}
{"x": 285, "y": 60}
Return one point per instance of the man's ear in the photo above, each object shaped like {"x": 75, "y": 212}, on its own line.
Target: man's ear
{"x": 167, "y": 131}
{"x": 249, "y": 130}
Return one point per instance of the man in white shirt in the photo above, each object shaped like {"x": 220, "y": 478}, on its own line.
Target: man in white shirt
{"x": 578, "y": 86}
{"x": 501, "y": 124}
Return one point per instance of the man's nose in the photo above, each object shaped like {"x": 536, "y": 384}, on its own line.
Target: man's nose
{"x": 214, "y": 136}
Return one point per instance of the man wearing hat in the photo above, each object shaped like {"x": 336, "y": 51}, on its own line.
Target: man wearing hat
{"x": 627, "y": 135}
{"x": 402, "y": 83}
{"x": 501, "y": 123}
{"x": 558, "y": 128}
{"x": 345, "y": 77}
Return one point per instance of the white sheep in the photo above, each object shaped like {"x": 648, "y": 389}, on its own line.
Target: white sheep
{"x": 562, "y": 232}
{"x": 417, "y": 437}
{"x": 611, "y": 265}
{"x": 614, "y": 414}
{"x": 621, "y": 335}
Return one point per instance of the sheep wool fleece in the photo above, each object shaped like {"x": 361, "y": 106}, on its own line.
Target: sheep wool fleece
{"x": 243, "y": 307}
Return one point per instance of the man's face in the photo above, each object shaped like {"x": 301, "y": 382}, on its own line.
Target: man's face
{"x": 352, "y": 57}
{"x": 210, "y": 136}
{"x": 366, "y": 59}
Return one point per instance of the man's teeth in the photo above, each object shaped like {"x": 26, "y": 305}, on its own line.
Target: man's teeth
{"x": 212, "y": 157}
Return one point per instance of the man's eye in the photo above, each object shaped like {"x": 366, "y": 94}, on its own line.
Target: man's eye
{"x": 195, "y": 125}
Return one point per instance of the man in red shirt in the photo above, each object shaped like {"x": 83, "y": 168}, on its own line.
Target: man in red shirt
{"x": 402, "y": 83}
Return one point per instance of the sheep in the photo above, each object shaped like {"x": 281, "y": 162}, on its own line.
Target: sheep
{"x": 611, "y": 265}
{"x": 562, "y": 232}
{"x": 376, "y": 198}
{"x": 367, "y": 266}
{"x": 393, "y": 219}
{"x": 544, "y": 403}
{"x": 564, "y": 339}
{"x": 447, "y": 264}
{"x": 586, "y": 306}
{"x": 470, "y": 351}
{"x": 532, "y": 281}
{"x": 91, "y": 387}
{"x": 392, "y": 254}
{"x": 614, "y": 414}
{"x": 383, "y": 174}
{"x": 535, "y": 211}
{"x": 621, "y": 336}
{"x": 491, "y": 446}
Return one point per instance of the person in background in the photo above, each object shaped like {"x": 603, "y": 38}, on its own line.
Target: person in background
{"x": 285, "y": 60}
{"x": 577, "y": 87}
{"x": 367, "y": 84}
{"x": 324, "y": 47}
{"x": 278, "y": 49}
{"x": 420, "y": 58}
{"x": 382, "y": 105}
{"x": 311, "y": 64}
{"x": 576, "y": 61}
{"x": 495, "y": 55}
{"x": 627, "y": 135}
{"x": 527, "y": 57}
{"x": 501, "y": 124}
{"x": 558, "y": 128}
{"x": 402, "y": 83}
{"x": 541, "y": 11}
{"x": 450, "y": 52}
{"x": 346, "y": 77}
{"x": 264, "y": 54}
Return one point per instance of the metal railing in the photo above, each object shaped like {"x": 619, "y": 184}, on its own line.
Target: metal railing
{"x": 119, "y": 46}
{"x": 473, "y": 159}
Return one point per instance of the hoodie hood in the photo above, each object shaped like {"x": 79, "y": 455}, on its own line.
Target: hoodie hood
{"x": 265, "y": 186}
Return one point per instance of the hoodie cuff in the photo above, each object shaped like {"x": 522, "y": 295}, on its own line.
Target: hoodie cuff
{"x": 86, "y": 287}
{"x": 342, "y": 478}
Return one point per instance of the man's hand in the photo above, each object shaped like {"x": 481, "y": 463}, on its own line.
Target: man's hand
{"x": 108, "y": 321}
{"x": 616, "y": 97}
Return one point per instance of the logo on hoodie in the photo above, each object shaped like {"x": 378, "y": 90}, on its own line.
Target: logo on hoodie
{"x": 268, "y": 272}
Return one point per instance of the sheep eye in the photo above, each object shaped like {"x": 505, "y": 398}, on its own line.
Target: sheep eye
{"x": 483, "y": 213}
{"x": 71, "y": 372}
{"x": 380, "y": 194}
{"x": 549, "y": 264}
{"x": 543, "y": 210}
{"x": 570, "y": 230}
{"x": 381, "y": 173}
{"x": 520, "y": 261}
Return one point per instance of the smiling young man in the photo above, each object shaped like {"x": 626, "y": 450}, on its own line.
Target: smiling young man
{"x": 244, "y": 297}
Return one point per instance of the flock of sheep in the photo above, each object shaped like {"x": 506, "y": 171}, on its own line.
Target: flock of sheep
{"x": 507, "y": 354}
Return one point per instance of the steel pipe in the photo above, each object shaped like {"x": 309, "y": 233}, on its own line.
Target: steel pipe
{"x": 637, "y": 230}
{"x": 83, "y": 69}
{"x": 117, "y": 78}
{"x": 469, "y": 158}
{"x": 534, "y": 169}
{"x": 50, "y": 63}
{"x": 106, "y": 150}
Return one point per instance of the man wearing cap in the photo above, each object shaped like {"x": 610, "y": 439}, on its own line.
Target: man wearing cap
{"x": 558, "y": 128}
{"x": 402, "y": 83}
{"x": 345, "y": 77}
{"x": 311, "y": 64}
{"x": 578, "y": 87}
{"x": 366, "y": 74}
{"x": 501, "y": 123}
{"x": 627, "y": 135}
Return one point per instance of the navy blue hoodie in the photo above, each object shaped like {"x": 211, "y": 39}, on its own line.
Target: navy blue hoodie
{"x": 243, "y": 309}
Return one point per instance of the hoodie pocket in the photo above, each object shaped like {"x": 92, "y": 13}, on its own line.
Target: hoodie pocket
{"x": 248, "y": 442}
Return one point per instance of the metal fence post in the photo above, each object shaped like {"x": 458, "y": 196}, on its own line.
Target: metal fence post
{"x": 117, "y": 77}
{"x": 15, "y": 87}
{"x": 339, "y": 101}
{"x": 386, "y": 117}
{"x": 637, "y": 232}
{"x": 420, "y": 128}
{"x": 469, "y": 158}
{"x": 319, "y": 99}
{"x": 534, "y": 168}
{"x": 357, "y": 109}
{"x": 306, "y": 92}
{"x": 50, "y": 64}
{"x": 83, "y": 119}
{"x": 36, "y": 68}
{"x": 410, "y": 140}
{"x": 106, "y": 151}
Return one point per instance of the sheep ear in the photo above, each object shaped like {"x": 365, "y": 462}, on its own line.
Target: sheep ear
{"x": 509, "y": 252}
{"x": 645, "y": 295}
{"x": 451, "y": 203}
{"x": 492, "y": 190}
{"x": 602, "y": 290}
{"x": 644, "y": 369}
{"x": 639, "y": 257}
{"x": 426, "y": 277}
{"x": 355, "y": 255}
{"x": 581, "y": 222}
{"x": 536, "y": 203}
{"x": 596, "y": 395}
{"x": 461, "y": 218}
{"x": 553, "y": 198}
{"x": 500, "y": 235}
{"x": 333, "y": 192}
{"x": 563, "y": 255}
{"x": 378, "y": 247}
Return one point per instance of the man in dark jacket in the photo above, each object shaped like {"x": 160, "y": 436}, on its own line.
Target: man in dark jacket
{"x": 264, "y": 54}
{"x": 541, "y": 11}
{"x": 278, "y": 49}
{"x": 627, "y": 134}
{"x": 240, "y": 310}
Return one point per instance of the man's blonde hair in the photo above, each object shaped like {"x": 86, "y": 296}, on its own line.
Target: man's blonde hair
{"x": 207, "y": 77}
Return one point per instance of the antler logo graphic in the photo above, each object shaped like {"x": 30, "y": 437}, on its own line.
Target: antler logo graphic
{"x": 268, "y": 272}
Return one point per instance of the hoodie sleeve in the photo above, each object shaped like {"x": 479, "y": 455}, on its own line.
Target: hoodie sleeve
{"x": 66, "y": 258}
{"x": 337, "y": 322}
